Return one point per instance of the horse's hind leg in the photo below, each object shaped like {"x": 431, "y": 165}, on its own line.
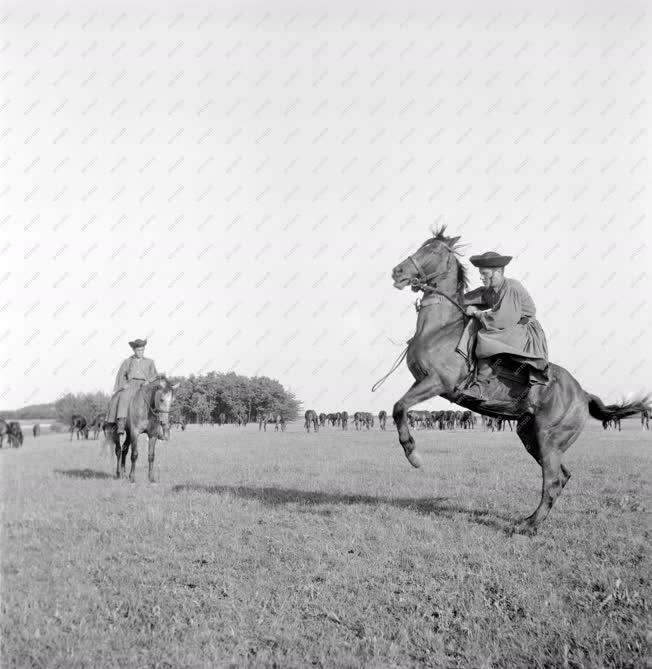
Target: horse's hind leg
{"x": 123, "y": 454}
{"x": 134, "y": 456}
{"x": 547, "y": 449}
{"x": 150, "y": 458}
{"x": 118, "y": 455}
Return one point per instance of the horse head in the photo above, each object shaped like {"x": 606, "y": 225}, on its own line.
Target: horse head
{"x": 161, "y": 401}
{"x": 434, "y": 259}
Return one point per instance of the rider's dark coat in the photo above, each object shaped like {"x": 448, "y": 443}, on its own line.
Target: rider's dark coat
{"x": 133, "y": 373}
{"x": 507, "y": 327}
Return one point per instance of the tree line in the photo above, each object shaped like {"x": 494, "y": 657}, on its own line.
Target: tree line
{"x": 200, "y": 399}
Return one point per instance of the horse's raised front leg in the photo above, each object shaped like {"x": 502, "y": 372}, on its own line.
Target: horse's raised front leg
{"x": 419, "y": 392}
{"x": 150, "y": 458}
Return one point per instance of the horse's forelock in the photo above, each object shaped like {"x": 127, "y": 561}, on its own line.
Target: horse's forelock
{"x": 453, "y": 245}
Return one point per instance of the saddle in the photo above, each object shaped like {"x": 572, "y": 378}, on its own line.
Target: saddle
{"x": 505, "y": 394}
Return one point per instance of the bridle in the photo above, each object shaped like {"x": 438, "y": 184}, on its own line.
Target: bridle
{"x": 423, "y": 280}
{"x": 154, "y": 410}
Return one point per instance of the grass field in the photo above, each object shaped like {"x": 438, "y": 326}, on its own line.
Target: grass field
{"x": 328, "y": 549}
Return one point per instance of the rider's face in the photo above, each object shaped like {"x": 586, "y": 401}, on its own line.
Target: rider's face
{"x": 490, "y": 277}
{"x": 140, "y": 351}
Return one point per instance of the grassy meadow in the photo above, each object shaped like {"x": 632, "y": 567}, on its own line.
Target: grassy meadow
{"x": 328, "y": 550}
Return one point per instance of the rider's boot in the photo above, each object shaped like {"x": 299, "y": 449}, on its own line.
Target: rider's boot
{"x": 477, "y": 389}
{"x": 121, "y": 426}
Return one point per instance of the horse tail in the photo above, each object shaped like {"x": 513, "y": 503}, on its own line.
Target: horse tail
{"x": 601, "y": 411}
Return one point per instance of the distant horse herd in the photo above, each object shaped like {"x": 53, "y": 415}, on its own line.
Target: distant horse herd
{"x": 427, "y": 420}
{"x": 12, "y": 431}
{"x": 80, "y": 426}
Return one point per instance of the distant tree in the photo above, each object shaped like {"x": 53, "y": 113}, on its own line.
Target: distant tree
{"x": 201, "y": 408}
{"x": 85, "y": 404}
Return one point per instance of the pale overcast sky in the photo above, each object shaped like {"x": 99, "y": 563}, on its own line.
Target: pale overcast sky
{"x": 236, "y": 181}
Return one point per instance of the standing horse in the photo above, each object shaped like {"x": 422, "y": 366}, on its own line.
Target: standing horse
{"x": 549, "y": 418}
{"x": 382, "y": 419}
{"x": 149, "y": 413}
{"x": 78, "y": 424}
{"x": 311, "y": 419}
{"x": 466, "y": 421}
{"x": 344, "y": 417}
{"x": 36, "y": 430}
{"x": 98, "y": 424}
{"x": 645, "y": 419}
{"x": 263, "y": 418}
{"x": 15, "y": 434}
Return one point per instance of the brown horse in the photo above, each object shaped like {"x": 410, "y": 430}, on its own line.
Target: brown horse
{"x": 149, "y": 413}
{"x": 549, "y": 418}
{"x": 382, "y": 418}
{"x": 78, "y": 424}
{"x": 311, "y": 419}
{"x": 15, "y": 434}
{"x": 98, "y": 424}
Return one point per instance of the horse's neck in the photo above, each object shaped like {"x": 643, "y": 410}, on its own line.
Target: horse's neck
{"x": 148, "y": 399}
{"x": 440, "y": 320}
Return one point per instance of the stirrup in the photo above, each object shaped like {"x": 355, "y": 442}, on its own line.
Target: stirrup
{"x": 468, "y": 390}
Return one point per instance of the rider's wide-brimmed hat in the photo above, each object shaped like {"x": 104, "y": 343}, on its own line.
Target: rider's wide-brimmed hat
{"x": 490, "y": 260}
{"x": 138, "y": 343}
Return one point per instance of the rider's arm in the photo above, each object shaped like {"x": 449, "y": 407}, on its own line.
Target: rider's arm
{"x": 151, "y": 372}
{"x": 475, "y": 298}
{"x": 505, "y": 313}
{"x": 121, "y": 377}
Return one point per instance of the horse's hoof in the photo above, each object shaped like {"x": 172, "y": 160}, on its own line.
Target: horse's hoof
{"x": 414, "y": 459}
{"x": 525, "y": 527}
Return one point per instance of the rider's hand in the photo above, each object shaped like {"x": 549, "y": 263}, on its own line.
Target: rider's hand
{"x": 471, "y": 310}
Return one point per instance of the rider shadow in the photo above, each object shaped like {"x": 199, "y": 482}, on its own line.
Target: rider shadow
{"x": 83, "y": 474}
{"x": 427, "y": 506}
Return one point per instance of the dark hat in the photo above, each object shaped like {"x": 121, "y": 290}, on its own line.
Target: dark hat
{"x": 137, "y": 343}
{"x": 490, "y": 259}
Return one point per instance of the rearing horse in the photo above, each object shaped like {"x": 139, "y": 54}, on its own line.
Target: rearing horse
{"x": 148, "y": 412}
{"x": 549, "y": 418}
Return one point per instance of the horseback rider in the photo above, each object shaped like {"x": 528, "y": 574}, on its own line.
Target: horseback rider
{"x": 507, "y": 328}
{"x": 134, "y": 372}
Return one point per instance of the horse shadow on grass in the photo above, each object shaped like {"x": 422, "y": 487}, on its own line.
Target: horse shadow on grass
{"x": 428, "y": 506}
{"x": 83, "y": 474}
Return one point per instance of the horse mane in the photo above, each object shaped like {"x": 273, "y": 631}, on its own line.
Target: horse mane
{"x": 453, "y": 243}
{"x": 156, "y": 383}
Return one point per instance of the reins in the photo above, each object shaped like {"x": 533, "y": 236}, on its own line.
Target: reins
{"x": 422, "y": 282}
{"x": 395, "y": 366}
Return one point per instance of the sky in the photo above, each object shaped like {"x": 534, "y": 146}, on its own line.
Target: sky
{"x": 235, "y": 182}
